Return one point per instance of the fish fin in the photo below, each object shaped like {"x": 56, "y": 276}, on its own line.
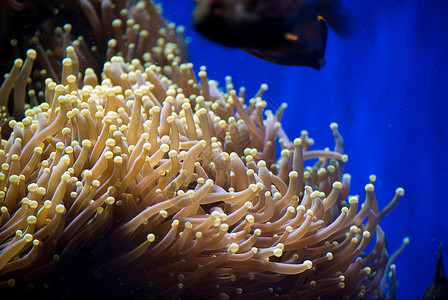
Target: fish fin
{"x": 440, "y": 272}
{"x": 259, "y": 54}
{"x": 340, "y": 19}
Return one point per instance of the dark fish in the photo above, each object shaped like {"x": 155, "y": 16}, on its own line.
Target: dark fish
{"x": 438, "y": 290}
{"x": 285, "y": 32}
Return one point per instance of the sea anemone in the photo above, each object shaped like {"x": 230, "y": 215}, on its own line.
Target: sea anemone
{"x": 155, "y": 183}
{"x": 131, "y": 29}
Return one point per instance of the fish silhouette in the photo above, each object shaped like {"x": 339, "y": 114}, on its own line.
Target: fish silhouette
{"x": 438, "y": 290}
{"x": 286, "y": 32}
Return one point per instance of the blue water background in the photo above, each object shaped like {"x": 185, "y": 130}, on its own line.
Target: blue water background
{"x": 387, "y": 88}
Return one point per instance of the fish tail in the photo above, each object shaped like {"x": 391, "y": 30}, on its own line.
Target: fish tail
{"x": 340, "y": 19}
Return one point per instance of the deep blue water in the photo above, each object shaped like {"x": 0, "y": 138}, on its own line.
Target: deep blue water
{"x": 387, "y": 87}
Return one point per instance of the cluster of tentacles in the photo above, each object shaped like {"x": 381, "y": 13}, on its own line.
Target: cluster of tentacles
{"x": 148, "y": 181}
